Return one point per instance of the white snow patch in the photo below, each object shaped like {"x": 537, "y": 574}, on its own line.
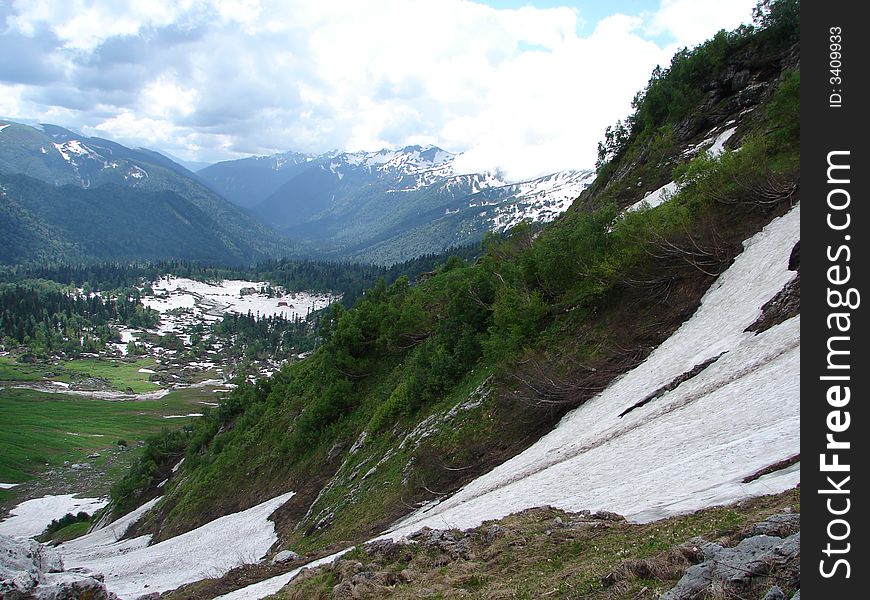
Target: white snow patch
{"x": 144, "y": 370}
{"x": 208, "y": 551}
{"x": 655, "y": 198}
{"x": 31, "y": 517}
{"x": 718, "y": 146}
{"x": 182, "y": 416}
{"x": 686, "y": 450}
{"x": 2, "y": 127}
{"x": 8, "y": 486}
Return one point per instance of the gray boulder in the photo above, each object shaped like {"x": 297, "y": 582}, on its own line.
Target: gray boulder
{"x": 774, "y": 593}
{"x": 33, "y": 571}
{"x": 734, "y": 566}
{"x": 72, "y": 586}
{"x": 284, "y": 556}
{"x": 23, "y": 564}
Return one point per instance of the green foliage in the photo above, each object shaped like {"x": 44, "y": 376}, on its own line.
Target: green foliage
{"x": 747, "y": 176}
{"x": 38, "y": 429}
{"x": 672, "y": 93}
{"x": 47, "y": 318}
{"x": 783, "y": 110}
{"x": 65, "y": 521}
{"x": 161, "y": 452}
{"x": 780, "y": 20}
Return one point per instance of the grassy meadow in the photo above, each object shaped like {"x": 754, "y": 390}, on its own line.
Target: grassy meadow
{"x": 39, "y": 431}
{"x": 120, "y": 375}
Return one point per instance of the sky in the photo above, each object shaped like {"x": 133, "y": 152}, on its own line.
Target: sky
{"x": 523, "y": 87}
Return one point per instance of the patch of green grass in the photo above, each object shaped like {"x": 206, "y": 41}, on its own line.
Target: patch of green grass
{"x": 12, "y": 370}
{"x": 121, "y": 375}
{"x": 70, "y": 532}
{"x": 39, "y": 429}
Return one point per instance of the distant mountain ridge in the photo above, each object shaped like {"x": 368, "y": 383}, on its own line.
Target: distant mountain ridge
{"x": 387, "y": 205}
{"x": 177, "y": 216}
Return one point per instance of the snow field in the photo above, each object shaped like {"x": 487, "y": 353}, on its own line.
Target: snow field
{"x": 30, "y": 518}
{"x": 718, "y": 146}
{"x": 133, "y": 568}
{"x": 655, "y": 198}
{"x": 207, "y": 301}
{"x": 665, "y": 192}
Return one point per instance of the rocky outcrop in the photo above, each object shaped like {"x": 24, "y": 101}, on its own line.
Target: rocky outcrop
{"x": 787, "y": 303}
{"x": 35, "y": 572}
{"x": 752, "y": 562}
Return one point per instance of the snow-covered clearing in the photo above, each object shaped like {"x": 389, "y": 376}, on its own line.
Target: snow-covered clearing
{"x": 30, "y": 518}
{"x": 227, "y": 296}
{"x": 132, "y": 568}
{"x": 53, "y": 388}
{"x": 691, "y": 447}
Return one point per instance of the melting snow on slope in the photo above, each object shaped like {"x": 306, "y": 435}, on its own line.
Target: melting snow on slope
{"x": 74, "y": 147}
{"x": 30, "y": 518}
{"x": 270, "y": 586}
{"x": 655, "y": 198}
{"x": 2, "y": 127}
{"x": 132, "y": 568}
{"x": 542, "y": 199}
{"x": 665, "y": 192}
{"x": 691, "y": 447}
{"x": 7, "y": 486}
{"x": 718, "y": 146}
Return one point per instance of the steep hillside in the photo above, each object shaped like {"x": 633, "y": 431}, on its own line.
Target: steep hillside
{"x": 110, "y": 183}
{"x": 386, "y": 206}
{"x": 638, "y": 355}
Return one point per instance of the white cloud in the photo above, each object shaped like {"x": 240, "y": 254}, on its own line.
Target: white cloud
{"x": 691, "y": 22}
{"x": 164, "y": 97}
{"x": 518, "y": 90}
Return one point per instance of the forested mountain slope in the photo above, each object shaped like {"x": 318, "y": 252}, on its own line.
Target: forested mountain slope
{"x": 123, "y": 204}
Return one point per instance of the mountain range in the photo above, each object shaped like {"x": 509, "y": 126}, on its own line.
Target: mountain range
{"x": 72, "y": 196}
{"x": 387, "y": 205}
